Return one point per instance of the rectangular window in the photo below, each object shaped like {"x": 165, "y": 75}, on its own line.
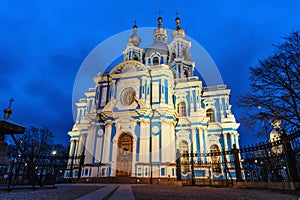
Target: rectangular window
{"x": 173, "y": 172}
{"x": 139, "y": 171}
{"x": 103, "y": 97}
{"x": 146, "y": 171}
{"x": 162, "y": 172}
{"x": 155, "y": 91}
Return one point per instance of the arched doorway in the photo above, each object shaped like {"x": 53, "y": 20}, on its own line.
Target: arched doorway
{"x": 124, "y": 156}
{"x": 215, "y": 160}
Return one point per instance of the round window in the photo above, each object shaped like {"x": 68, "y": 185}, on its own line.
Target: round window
{"x": 127, "y": 97}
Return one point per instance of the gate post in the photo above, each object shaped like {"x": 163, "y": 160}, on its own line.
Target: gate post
{"x": 81, "y": 162}
{"x": 178, "y": 165}
{"x": 237, "y": 164}
{"x": 289, "y": 156}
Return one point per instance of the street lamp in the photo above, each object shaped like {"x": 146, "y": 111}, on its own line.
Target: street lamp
{"x": 54, "y": 152}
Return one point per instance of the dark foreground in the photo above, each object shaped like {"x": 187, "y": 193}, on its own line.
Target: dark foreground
{"x": 61, "y": 193}
{"x": 188, "y": 193}
{"x": 146, "y": 192}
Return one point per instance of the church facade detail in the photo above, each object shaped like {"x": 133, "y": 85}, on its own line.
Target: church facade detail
{"x": 149, "y": 108}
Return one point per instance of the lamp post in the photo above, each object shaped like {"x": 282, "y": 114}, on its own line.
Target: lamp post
{"x": 54, "y": 152}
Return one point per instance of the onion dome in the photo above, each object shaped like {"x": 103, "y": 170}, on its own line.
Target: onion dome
{"x": 160, "y": 39}
{"x": 134, "y": 39}
{"x": 178, "y": 32}
{"x": 160, "y": 47}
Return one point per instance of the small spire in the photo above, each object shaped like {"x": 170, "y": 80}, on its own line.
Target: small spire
{"x": 10, "y": 102}
{"x": 134, "y": 26}
{"x": 177, "y": 20}
{"x": 8, "y": 111}
{"x": 159, "y": 19}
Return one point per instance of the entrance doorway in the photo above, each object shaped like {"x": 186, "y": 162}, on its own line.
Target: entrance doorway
{"x": 124, "y": 157}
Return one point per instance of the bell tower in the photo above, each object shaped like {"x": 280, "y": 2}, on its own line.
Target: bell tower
{"x": 180, "y": 60}
{"x": 133, "y": 51}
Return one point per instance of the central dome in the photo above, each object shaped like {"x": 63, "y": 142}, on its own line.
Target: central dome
{"x": 160, "y": 47}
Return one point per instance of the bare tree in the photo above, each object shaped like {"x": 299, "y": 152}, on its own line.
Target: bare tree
{"x": 275, "y": 88}
{"x": 37, "y": 141}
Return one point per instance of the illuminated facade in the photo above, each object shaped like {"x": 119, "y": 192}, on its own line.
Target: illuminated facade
{"x": 149, "y": 108}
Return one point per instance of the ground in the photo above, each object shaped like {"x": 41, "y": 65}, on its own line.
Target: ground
{"x": 143, "y": 192}
{"x": 168, "y": 192}
{"x": 61, "y": 193}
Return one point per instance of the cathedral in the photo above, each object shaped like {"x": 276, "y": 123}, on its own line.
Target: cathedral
{"x": 147, "y": 110}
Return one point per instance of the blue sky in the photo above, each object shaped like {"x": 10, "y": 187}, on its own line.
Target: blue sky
{"x": 42, "y": 45}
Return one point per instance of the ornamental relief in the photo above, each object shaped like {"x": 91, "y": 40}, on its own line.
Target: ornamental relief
{"x": 127, "y": 91}
{"x": 213, "y": 139}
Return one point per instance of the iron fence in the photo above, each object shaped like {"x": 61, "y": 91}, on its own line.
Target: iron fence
{"x": 39, "y": 171}
{"x": 272, "y": 161}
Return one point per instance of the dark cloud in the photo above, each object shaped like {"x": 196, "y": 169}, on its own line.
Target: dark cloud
{"x": 42, "y": 45}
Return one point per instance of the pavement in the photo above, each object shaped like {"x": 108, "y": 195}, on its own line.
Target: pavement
{"x": 88, "y": 191}
{"x": 111, "y": 192}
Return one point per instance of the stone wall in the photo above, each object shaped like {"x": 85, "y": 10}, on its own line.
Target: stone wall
{"x": 269, "y": 185}
{"x": 130, "y": 180}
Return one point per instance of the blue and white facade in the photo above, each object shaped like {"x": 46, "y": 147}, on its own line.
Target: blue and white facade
{"x": 148, "y": 108}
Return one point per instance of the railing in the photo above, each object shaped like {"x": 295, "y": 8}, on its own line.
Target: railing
{"x": 193, "y": 78}
{"x": 273, "y": 161}
{"x": 38, "y": 170}
{"x": 214, "y": 88}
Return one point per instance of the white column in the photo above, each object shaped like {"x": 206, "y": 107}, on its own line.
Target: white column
{"x": 162, "y": 89}
{"x": 142, "y": 149}
{"x": 194, "y": 142}
{"x": 148, "y": 95}
{"x": 76, "y": 161}
{"x": 221, "y": 108}
{"x": 113, "y": 85}
{"x": 71, "y": 152}
{"x": 147, "y": 140}
{"x": 107, "y": 141}
{"x": 81, "y": 144}
{"x": 236, "y": 135}
{"x": 192, "y": 101}
{"x": 226, "y": 145}
{"x": 172, "y": 143}
{"x": 143, "y": 86}
{"x": 197, "y": 99}
{"x": 231, "y": 140}
{"x": 72, "y": 145}
{"x": 76, "y": 146}
{"x": 201, "y": 143}
{"x": 205, "y": 141}
{"x": 225, "y": 141}
{"x": 164, "y": 142}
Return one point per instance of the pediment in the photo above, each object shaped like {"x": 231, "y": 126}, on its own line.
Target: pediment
{"x": 128, "y": 66}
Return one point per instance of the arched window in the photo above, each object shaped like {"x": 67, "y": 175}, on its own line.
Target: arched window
{"x": 215, "y": 160}
{"x": 183, "y": 147}
{"x": 211, "y": 114}
{"x": 173, "y": 55}
{"x": 135, "y": 57}
{"x": 184, "y": 53}
{"x": 181, "y": 109}
{"x": 155, "y": 60}
{"x": 185, "y": 73}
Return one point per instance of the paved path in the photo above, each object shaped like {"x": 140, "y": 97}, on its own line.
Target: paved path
{"x": 123, "y": 192}
{"x": 111, "y": 192}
